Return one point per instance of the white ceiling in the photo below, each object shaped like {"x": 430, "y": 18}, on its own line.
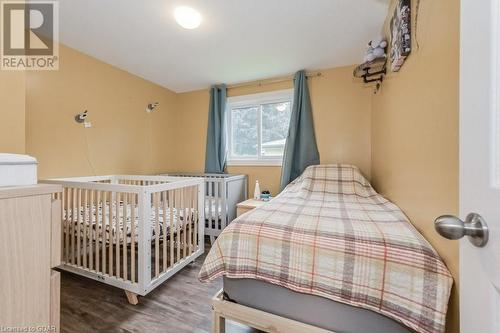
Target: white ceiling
{"x": 238, "y": 40}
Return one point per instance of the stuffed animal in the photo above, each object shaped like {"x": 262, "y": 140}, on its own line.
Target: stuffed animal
{"x": 376, "y": 49}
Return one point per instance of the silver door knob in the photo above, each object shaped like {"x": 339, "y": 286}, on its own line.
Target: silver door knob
{"x": 474, "y": 227}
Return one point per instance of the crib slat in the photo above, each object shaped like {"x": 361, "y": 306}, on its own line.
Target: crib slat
{"x": 178, "y": 212}
{"x": 69, "y": 218}
{"x": 91, "y": 234}
{"x": 104, "y": 228}
{"x": 165, "y": 229}
{"x": 110, "y": 233}
{"x": 224, "y": 198}
{"x": 132, "y": 238}
{"x": 63, "y": 224}
{"x": 67, "y": 225}
{"x": 196, "y": 214}
{"x": 184, "y": 222}
{"x": 187, "y": 220}
{"x": 98, "y": 230}
{"x": 73, "y": 225}
{"x": 216, "y": 210}
{"x": 85, "y": 225}
{"x": 210, "y": 196}
{"x": 190, "y": 219}
{"x": 156, "y": 203}
{"x": 78, "y": 228}
{"x": 117, "y": 237}
{"x": 171, "y": 207}
{"x": 124, "y": 233}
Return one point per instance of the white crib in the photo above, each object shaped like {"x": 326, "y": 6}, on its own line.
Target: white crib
{"x": 222, "y": 193}
{"x": 132, "y": 232}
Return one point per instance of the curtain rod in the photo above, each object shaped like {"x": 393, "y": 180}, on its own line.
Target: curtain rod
{"x": 264, "y": 82}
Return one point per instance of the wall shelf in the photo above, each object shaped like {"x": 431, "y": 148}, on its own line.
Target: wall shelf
{"x": 372, "y": 71}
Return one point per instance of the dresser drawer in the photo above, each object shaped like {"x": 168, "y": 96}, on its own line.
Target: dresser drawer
{"x": 29, "y": 289}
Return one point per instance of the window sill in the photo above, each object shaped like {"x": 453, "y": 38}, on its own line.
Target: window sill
{"x": 254, "y": 163}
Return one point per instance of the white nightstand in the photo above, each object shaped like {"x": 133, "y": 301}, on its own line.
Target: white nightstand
{"x": 248, "y": 205}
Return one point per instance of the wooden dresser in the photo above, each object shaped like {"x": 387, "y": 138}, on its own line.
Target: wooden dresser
{"x": 30, "y": 246}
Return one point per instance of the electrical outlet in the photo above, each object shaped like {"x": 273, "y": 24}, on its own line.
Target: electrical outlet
{"x": 87, "y": 124}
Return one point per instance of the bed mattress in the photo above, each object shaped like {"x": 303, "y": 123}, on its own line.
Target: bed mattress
{"x": 309, "y": 309}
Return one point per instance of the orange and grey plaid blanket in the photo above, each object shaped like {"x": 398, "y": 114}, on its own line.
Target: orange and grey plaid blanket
{"x": 330, "y": 234}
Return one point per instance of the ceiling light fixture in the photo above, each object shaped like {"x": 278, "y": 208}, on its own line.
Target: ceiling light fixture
{"x": 187, "y": 17}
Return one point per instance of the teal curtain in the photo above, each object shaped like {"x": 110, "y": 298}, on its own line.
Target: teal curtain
{"x": 301, "y": 150}
{"x": 216, "y": 150}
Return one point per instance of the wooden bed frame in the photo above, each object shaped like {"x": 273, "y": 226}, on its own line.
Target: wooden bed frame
{"x": 261, "y": 320}
{"x": 98, "y": 243}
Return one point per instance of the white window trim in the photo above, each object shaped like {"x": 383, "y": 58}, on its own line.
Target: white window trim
{"x": 249, "y": 100}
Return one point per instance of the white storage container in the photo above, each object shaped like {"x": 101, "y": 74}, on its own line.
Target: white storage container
{"x": 17, "y": 170}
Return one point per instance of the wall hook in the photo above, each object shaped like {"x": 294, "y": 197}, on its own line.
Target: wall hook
{"x": 80, "y": 118}
{"x": 151, "y": 107}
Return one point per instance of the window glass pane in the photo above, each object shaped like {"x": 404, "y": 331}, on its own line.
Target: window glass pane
{"x": 275, "y": 122}
{"x": 245, "y": 131}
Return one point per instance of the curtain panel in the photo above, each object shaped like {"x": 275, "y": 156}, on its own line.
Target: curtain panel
{"x": 216, "y": 149}
{"x": 301, "y": 149}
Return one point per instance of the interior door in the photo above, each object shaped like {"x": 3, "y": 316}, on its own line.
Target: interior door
{"x": 480, "y": 163}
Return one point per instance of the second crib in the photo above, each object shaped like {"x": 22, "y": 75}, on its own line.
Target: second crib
{"x": 222, "y": 193}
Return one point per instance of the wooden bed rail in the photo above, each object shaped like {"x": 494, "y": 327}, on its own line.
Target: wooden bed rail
{"x": 261, "y": 320}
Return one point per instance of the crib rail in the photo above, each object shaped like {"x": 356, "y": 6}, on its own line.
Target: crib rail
{"x": 132, "y": 232}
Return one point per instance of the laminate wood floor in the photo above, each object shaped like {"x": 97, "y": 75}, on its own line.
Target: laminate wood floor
{"x": 180, "y": 305}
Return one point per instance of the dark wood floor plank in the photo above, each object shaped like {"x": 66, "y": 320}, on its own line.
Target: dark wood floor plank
{"x": 180, "y": 305}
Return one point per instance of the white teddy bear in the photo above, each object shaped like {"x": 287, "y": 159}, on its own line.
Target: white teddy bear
{"x": 376, "y": 49}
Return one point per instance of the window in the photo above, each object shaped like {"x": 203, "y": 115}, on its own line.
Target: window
{"x": 258, "y": 127}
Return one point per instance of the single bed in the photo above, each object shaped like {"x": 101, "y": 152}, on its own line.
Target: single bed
{"x": 333, "y": 253}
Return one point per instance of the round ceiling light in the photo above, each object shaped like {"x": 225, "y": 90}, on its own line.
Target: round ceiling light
{"x": 187, "y": 17}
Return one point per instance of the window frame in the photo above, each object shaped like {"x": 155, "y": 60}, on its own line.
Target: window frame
{"x": 254, "y": 100}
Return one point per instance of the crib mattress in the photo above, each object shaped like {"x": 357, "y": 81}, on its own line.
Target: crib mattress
{"x": 101, "y": 221}
{"x": 310, "y": 309}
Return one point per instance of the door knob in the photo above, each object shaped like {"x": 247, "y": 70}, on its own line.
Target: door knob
{"x": 474, "y": 227}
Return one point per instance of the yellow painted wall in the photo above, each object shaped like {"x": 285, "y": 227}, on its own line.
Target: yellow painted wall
{"x": 123, "y": 138}
{"x": 415, "y": 130}
{"x": 405, "y": 138}
{"x": 12, "y": 112}
{"x": 341, "y": 110}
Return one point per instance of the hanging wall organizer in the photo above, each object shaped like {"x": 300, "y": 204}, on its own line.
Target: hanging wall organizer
{"x": 372, "y": 71}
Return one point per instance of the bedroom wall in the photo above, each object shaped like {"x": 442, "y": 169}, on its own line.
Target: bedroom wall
{"x": 341, "y": 108}
{"x": 12, "y": 122}
{"x": 123, "y": 138}
{"x": 415, "y": 130}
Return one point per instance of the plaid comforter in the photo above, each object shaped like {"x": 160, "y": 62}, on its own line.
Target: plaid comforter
{"x": 330, "y": 234}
